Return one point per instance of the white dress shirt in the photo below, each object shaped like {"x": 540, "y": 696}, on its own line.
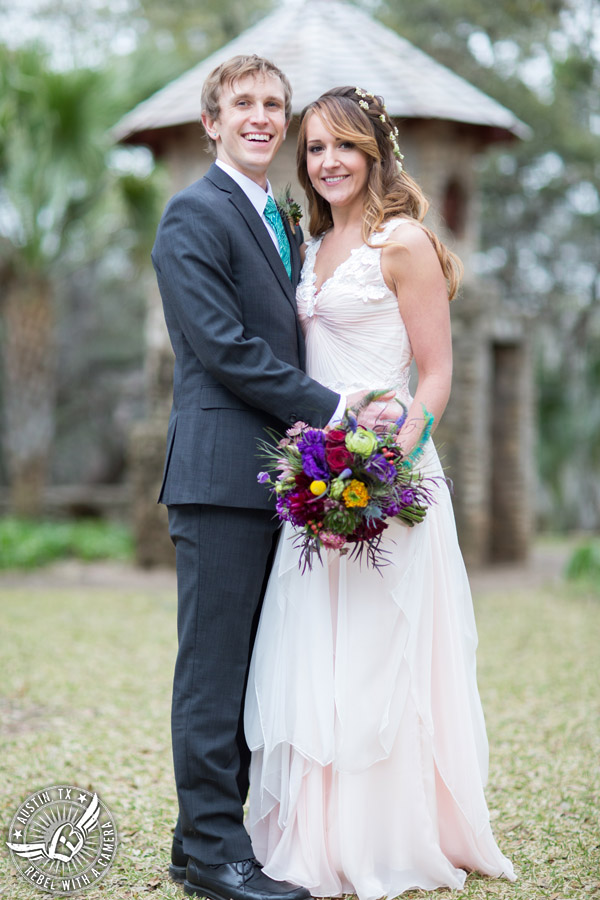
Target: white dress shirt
{"x": 258, "y": 198}
{"x": 255, "y": 194}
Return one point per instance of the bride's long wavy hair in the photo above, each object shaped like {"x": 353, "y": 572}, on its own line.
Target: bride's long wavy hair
{"x": 362, "y": 119}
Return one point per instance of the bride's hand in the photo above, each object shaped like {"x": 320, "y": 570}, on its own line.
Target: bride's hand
{"x": 379, "y": 412}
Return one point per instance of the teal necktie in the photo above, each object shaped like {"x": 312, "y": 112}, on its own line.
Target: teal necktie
{"x": 274, "y": 219}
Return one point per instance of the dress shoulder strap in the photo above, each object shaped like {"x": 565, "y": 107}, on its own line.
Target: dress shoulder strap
{"x": 379, "y": 237}
{"x": 312, "y": 246}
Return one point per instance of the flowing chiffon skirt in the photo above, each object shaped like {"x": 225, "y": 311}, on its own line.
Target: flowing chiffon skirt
{"x": 369, "y": 745}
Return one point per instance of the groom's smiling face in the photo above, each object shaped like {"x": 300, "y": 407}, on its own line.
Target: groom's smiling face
{"x": 251, "y": 124}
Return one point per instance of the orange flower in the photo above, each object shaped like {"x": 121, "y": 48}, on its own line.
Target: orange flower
{"x": 356, "y": 494}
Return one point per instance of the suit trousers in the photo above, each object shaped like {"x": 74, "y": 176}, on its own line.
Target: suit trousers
{"x": 223, "y": 558}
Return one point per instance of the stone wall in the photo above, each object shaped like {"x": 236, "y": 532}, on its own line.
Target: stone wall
{"x": 512, "y": 427}
{"x": 463, "y": 437}
{"x": 153, "y": 546}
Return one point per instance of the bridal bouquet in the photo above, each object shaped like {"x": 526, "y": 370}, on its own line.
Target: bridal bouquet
{"x": 340, "y": 486}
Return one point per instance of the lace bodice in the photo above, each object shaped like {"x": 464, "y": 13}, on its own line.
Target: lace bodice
{"x": 355, "y": 335}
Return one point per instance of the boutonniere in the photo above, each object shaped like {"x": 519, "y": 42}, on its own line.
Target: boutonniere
{"x": 289, "y": 208}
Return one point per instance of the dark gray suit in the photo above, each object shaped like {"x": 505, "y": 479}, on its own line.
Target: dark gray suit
{"x": 231, "y": 314}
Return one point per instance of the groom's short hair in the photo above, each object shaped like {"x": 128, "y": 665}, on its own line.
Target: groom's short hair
{"x": 239, "y": 67}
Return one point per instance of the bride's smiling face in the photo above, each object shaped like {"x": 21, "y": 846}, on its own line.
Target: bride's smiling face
{"x": 337, "y": 169}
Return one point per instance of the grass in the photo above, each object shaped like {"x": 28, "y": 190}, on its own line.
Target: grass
{"x": 27, "y": 544}
{"x": 85, "y": 699}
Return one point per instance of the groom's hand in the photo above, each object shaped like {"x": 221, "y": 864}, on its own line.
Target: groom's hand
{"x": 379, "y": 412}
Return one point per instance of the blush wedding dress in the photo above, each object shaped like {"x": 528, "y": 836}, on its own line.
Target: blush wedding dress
{"x": 369, "y": 750}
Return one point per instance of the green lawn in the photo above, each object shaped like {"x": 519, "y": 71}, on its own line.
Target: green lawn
{"x": 84, "y": 699}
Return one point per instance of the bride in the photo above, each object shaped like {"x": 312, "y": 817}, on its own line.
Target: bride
{"x": 369, "y": 751}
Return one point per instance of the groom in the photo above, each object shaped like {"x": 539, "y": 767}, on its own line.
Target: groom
{"x": 227, "y": 267}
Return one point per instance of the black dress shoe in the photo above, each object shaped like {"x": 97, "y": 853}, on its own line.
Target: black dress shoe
{"x": 179, "y": 861}
{"x": 242, "y": 880}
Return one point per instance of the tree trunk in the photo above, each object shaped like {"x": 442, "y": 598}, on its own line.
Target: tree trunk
{"x": 28, "y": 390}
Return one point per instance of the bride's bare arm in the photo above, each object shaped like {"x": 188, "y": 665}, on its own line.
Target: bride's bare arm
{"x": 412, "y": 270}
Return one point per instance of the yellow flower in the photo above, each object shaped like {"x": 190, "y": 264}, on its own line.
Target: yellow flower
{"x": 356, "y": 494}
{"x": 317, "y": 488}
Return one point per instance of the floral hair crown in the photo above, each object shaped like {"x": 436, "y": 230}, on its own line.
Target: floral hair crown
{"x": 364, "y": 103}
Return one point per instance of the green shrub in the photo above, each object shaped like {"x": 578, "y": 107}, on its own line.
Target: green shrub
{"x": 25, "y": 544}
{"x": 584, "y": 564}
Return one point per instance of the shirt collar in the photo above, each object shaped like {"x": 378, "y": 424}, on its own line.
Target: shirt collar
{"x": 253, "y": 191}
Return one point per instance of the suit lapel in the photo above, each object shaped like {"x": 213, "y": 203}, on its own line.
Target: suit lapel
{"x": 259, "y": 232}
{"x": 296, "y": 266}
{"x": 263, "y": 239}
{"x": 256, "y": 227}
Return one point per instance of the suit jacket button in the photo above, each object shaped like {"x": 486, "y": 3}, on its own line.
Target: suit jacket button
{"x": 292, "y": 418}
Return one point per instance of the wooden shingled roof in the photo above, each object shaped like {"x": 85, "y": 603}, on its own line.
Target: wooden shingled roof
{"x": 323, "y": 43}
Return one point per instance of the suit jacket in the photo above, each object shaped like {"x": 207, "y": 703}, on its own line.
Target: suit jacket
{"x": 230, "y": 310}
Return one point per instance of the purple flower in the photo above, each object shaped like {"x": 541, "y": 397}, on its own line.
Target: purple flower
{"x": 392, "y": 508}
{"x": 407, "y": 497}
{"x": 379, "y": 467}
{"x": 352, "y": 420}
{"x": 314, "y": 463}
{"x": 263, "y": 477}
{"x": 282, "y": 508}
{"x": 311, "y": 437}
{"x": 312, "y": 450}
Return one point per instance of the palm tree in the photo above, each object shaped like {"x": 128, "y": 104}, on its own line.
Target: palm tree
{"x": 54, "y": 178}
